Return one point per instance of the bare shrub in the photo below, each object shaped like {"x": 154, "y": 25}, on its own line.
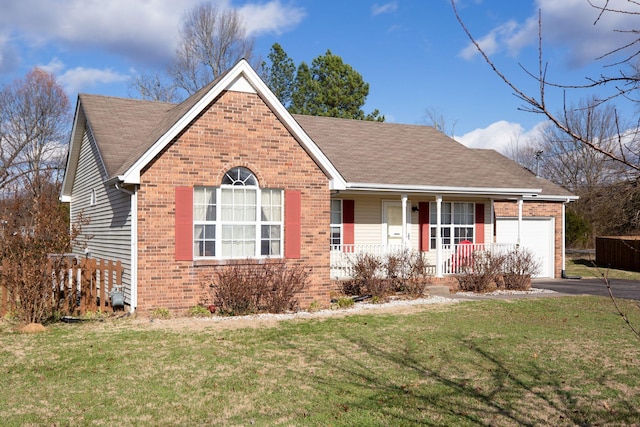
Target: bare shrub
{"x": 351, "y": 287}
{"x": 480, "y": 272}
{"x": 395, "y": 268}
{"x": 34, "y": 229}
{"x": 416, "y": 286}
{"x": 282, "y": 284}
{"x": 379, "y": 288}
{"x": 519, "y": 266}
{"x": 234, "y": 290}
{"x": 241, "y": 289}
{"x": 365, "y": 267}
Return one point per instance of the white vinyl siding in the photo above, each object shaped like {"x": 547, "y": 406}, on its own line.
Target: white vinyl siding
{"x": 109, "y": 218}
{"x": 367, "y": 218}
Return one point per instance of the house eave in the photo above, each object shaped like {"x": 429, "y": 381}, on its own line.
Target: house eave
{"x": 73, "y": 154}
{"x": 422, "y": 189}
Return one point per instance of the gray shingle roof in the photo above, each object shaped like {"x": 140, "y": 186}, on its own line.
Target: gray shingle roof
{"x": 362, "y": 151}
{"x": 388, "y": 153}
{"x": 503, "y": 162}
{"x": 121, "y": 127}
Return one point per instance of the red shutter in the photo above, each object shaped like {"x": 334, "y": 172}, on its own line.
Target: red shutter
{"x": 479, "y": 223}
{"x": 348, "y": 221}
{"x": 184, "y": 224}
{"x": 425, "y": 230}
{"x": 292, "y": 223}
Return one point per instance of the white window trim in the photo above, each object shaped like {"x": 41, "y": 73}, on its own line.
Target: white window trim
{"x": 257, "y": 224}
{"x": 452, "y": 226}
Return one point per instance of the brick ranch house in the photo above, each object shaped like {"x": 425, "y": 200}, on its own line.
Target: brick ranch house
{"x": 229, "y": 175}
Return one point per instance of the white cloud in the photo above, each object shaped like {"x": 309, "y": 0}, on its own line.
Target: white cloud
{"x": 568, "y": 24}
{"x": 142, "y": 31}
{"x": 500, "y": 135}
{"x": 79, "y": 79}
{"x": 378, "y": 9}
{"x": 271, "y": 17}
{"x": 492, "y": 42}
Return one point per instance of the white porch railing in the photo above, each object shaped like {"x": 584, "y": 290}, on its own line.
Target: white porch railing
{"x": 453, "y": 256}
{"x": 343, "y": 256}
{"x": 456, "y": 257}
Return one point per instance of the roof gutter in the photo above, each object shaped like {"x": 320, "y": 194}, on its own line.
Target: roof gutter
{"x": 373, "y": 187}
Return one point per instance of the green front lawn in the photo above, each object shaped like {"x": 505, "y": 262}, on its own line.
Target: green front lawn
{"x": 585, "y": 266}
{"x": 547, "y": 361}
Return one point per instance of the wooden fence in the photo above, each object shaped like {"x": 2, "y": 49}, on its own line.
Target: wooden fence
{"x": 618, "y": 252}
{"x": 79, "y": 286}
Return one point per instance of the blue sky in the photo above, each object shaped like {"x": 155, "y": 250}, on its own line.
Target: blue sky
{"x": 413, "y": 54}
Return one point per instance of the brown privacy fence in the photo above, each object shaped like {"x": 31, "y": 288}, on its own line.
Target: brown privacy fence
{"x": 618, "y": 252}
{"x": 80, "y": 286}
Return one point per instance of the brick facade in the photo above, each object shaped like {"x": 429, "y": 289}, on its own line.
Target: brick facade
{"x": 538, "y": 210}
{"x": 237, "y": 129}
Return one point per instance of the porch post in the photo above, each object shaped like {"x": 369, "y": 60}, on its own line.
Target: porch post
{"x": 438, "y": 236}
{"x": 493, "y": 221}
{"x": 404, "y": 221}
{"x": 519, "y": 220}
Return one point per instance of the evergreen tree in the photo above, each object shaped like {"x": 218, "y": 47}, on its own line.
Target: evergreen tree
{"x": 328, "y": 88}
{"x": 280, "y": 76}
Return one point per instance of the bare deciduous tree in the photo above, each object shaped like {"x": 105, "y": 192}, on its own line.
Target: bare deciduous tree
{"x": 34, "y": 126}
{"x": 574, "y": 165}
{"x": 435, "y": 117}
{"x": 624, "y": 83}
{"x": 212, "y": 40}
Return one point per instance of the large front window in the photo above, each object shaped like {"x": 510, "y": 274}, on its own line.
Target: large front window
{"x": 237, "y": 219}
{"x": 456, "y": 222}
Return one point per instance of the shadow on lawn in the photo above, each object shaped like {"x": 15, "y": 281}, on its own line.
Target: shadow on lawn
{"x": 428, "y": 390}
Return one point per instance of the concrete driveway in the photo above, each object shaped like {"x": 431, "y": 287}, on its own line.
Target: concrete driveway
{"x": 628, "y": 289}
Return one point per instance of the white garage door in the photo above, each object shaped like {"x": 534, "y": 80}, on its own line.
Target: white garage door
{"x": 536, "y": 235}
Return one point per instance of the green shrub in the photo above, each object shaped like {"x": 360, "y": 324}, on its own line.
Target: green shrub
{"x": 579, "y": 230}
{"x": 314, "y": 307}
{"x": 161, "y": 313}
{"x": 345, "y": 302}
{"x": 199, "y": 311}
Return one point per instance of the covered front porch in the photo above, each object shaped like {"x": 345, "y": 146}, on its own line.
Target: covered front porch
{"x": 449, "y": 260}
{"x": 443, "y": 229}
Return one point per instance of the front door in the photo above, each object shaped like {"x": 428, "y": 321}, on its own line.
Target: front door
{"x": 392, "y": 222}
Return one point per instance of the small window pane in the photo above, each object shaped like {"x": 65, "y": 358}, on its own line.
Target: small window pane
{"x": 336, "y": 211}
{"x": 198, "y": 232}
{"x": 209, "y": 248}
{"x": 335, "y": 236}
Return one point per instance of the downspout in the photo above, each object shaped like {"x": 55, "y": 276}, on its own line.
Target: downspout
{"x": 519, "y": 221}
{"x": 133, "y": 303}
